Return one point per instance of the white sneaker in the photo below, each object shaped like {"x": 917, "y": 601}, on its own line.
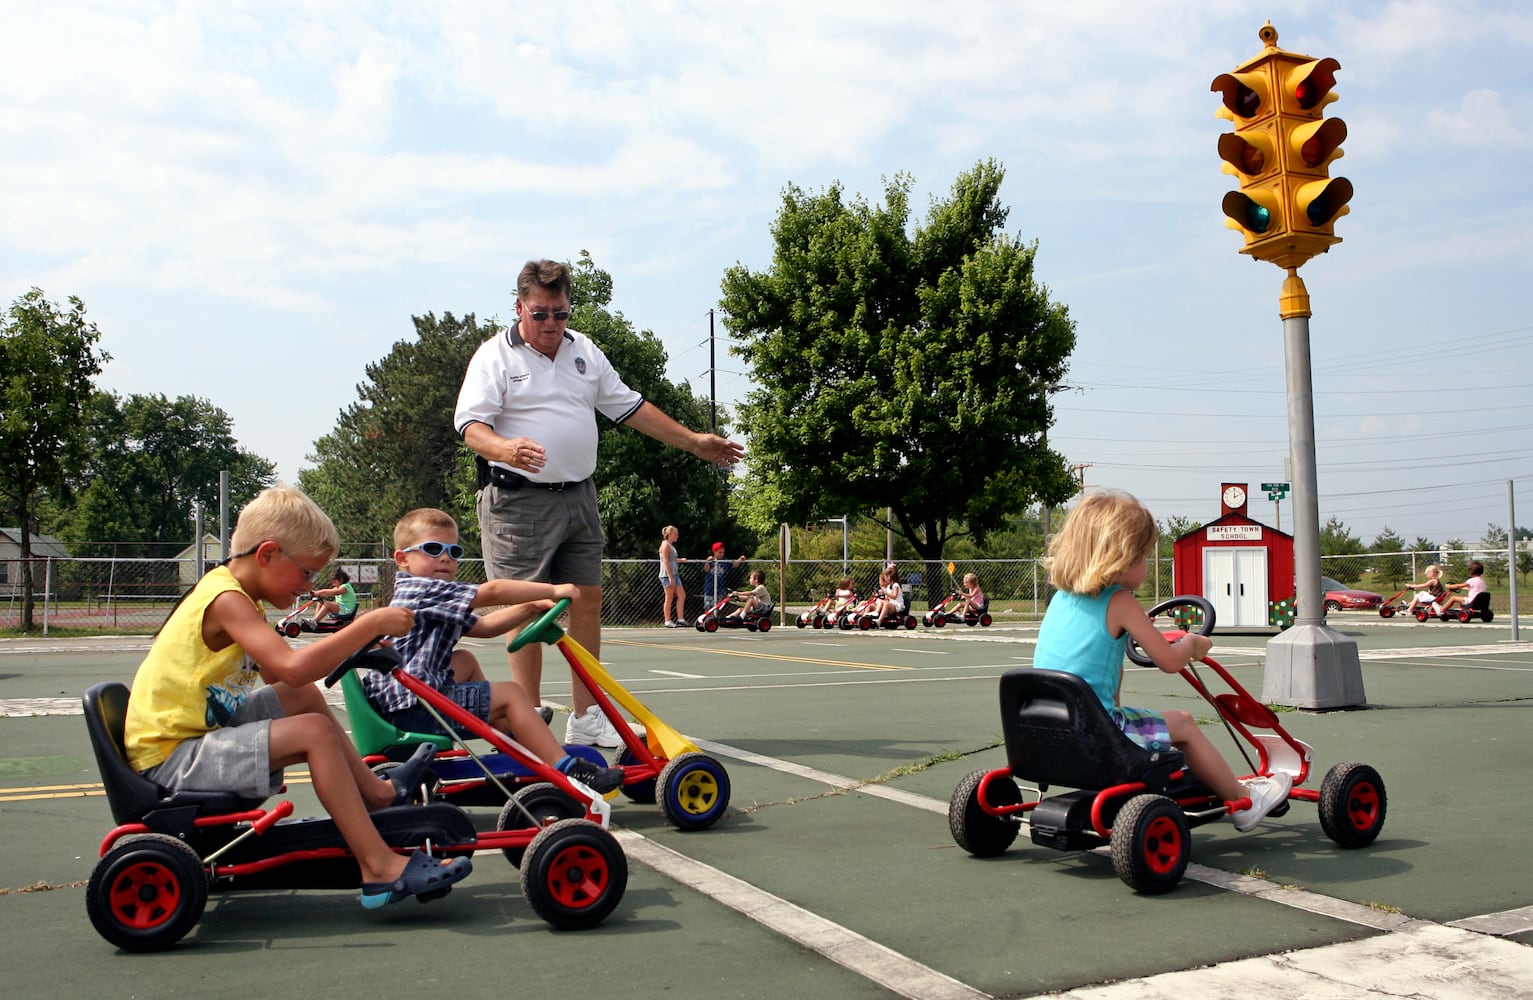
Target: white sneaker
{"x": 1265, "y": 794}
{"x": 593, "y": 729}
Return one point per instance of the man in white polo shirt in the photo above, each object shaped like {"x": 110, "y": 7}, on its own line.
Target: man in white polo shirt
{"x": 528, "y": 409}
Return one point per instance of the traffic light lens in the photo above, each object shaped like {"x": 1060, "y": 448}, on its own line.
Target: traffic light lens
{"x": 1247, "y": 102}
{"x": 1252, "y": 160}
{"x": 1311, "y": 153}
{"x": 1258, "y": 218}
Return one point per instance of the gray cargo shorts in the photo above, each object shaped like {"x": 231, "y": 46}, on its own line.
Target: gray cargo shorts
{"x": 546, "y": 536}
{"x": 235, "y": 758}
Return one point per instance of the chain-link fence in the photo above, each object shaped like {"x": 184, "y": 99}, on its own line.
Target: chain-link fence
{"x": 135, "y": 595}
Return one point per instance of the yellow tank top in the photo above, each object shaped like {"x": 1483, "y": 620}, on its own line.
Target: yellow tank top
{"x": 183, "y": 689}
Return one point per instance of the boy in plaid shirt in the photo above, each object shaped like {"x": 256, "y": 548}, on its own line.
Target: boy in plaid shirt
{"x": 426, "y": 551}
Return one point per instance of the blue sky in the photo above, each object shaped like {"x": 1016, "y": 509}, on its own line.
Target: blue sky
{"x": 253, "y": 199}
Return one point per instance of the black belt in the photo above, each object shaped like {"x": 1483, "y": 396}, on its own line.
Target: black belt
{"x": 508, "y": 480}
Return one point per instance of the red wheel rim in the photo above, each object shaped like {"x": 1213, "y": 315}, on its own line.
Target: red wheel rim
{"x": 1162, "y": 845}
{"x": 145, "y": 896}
{"x": 1363, "y": 807}
{"x": 578, "y": 876}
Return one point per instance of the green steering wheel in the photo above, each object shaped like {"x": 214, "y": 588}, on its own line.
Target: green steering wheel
{"x": 545, "y": 629}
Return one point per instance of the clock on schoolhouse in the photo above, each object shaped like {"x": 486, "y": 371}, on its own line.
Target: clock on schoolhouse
{"x": 1232, "y": 499}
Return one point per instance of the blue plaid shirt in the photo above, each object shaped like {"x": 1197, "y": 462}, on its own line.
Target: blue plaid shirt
{"x": 443, "y": 612}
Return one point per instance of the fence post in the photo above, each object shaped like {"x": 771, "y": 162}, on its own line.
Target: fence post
{"x": 47, "y": 588}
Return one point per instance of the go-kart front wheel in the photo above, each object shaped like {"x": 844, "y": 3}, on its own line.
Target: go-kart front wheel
{"x": 975, "y": 830}
{"x": 575, "y": 874}
{"x": 1352, "y": 804}
{"x": 545, "y": 802}
{"x": 692, "y": 791}
{"x": 1151, "y": 844}
{"x": 147, "y": 892}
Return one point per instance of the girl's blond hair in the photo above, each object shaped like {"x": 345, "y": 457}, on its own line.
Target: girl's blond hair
{"x": 1106, "y": 534}
{"x": 286, "y": 515}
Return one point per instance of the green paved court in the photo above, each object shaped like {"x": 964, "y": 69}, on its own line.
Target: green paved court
{"x": 842, "y": 749}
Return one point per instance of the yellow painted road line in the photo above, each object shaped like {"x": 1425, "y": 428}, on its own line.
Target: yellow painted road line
{"x": 33, "y": 793}
{"x": 761, "y": 656}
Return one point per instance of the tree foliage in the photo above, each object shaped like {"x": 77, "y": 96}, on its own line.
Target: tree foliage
{"x": 48, "y": 358}
{"x": 396, "y": 448}
{"x": 899, "y": 368}
{"x": 1337, "y": 540}
{"x": 151, "y": 459}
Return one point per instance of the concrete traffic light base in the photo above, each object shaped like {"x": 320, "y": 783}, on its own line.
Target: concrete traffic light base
{"x": 1313, "y": 666}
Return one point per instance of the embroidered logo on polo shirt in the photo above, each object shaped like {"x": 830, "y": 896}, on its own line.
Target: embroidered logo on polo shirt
{"x": 520, "y": 377}
{"x": 580, "y": 365}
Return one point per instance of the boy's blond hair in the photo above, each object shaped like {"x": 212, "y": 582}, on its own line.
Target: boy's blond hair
{"x": 286, "y": 515}
{"x": 418, "y": 525}
{"x": 1105, "y": 535}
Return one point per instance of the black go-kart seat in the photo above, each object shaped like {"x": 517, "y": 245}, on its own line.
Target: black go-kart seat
{"x": 1058, "y": 733}
{"x": 132, "y": 797}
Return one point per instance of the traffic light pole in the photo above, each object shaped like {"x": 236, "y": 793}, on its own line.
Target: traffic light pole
{"x": 1310, "y": 665}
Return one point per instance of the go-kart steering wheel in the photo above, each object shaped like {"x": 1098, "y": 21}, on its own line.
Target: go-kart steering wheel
{"x": 371, "y": 656}
{"x": 1139, "y": 656}
{"x": 542, "y": 630}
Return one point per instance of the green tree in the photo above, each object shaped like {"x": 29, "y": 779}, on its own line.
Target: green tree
{"x": 395, "y": 448}
{"x": 1392, "y": 569}
{"x": 1455, "y": 560}
{"x": 48, "y": 359}
{"x": 1337, "y": 540}
{"x": 151, "y": 459}
{"x": 900, "y": 369}
{"x": 641, "y": 484}
{"x": 1495, "y": 542}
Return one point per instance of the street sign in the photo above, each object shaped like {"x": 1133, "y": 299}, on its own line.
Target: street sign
{"x": 1276, "y": 487}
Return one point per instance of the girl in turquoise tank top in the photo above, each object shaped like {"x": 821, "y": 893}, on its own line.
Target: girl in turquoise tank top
{"x": 1096, "y": 562}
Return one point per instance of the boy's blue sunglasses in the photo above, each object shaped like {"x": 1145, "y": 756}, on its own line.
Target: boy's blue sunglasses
{"x": 435, "y": 549}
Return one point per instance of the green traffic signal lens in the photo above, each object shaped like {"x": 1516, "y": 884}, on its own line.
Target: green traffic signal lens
{"x": 1258, "y": 217}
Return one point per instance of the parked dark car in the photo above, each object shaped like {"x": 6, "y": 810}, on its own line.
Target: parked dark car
{"x": 1339, "y": 597}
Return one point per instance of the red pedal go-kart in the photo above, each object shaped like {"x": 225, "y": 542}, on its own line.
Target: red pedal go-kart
{"x": 301, "y": 619}
{"x": 1141, "y": 804}
{"x": 953, "y": 610}
{"x": 660, "y": 767}
{"x": 169, "y": 851}
{"x": 717, "y": 617}
{"x": 817, "y": 616}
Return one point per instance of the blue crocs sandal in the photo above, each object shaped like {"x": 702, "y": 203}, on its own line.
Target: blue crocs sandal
{"x": 424, "y": 877}
{"x": 410, "y": 775}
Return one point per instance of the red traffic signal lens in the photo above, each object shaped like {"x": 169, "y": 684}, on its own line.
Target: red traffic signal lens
{"x": 1311, "y": 90}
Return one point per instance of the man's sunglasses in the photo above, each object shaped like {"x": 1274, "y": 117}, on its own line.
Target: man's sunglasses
{"x": 541, "y": 314}
{"x": 435, "y": 549}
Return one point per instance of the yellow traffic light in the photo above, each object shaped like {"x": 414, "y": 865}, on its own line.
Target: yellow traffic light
{"x": 1281, "y": 151}
{"x": 1251, "y": 154}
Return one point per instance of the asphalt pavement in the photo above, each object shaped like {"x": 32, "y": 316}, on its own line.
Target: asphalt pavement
{"x": 833, "y": 873}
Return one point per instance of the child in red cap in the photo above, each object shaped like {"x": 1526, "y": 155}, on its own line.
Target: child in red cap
{"x": 715, "y": 573}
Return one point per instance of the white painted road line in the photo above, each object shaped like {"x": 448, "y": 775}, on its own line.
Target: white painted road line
{"x": 869, "y": 959}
